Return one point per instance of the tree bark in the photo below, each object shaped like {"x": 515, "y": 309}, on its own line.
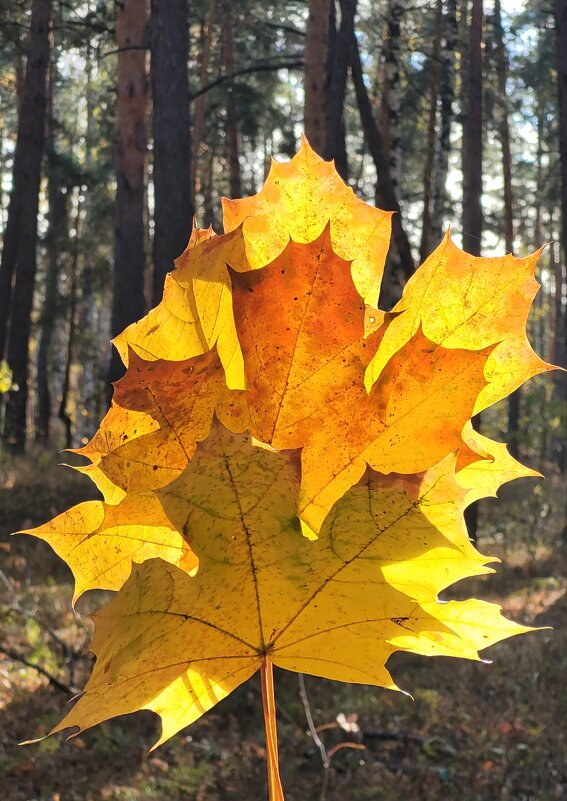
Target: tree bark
{"x": 561, "y": 38}
{"x": 64, "y": 413}
{"x": 55, "y": 246}
{"x": 198, "y": 147}
{"x": 392, "y": 93}
{"x": 19, "y": 251}
{"x": 376, "y": 146}
{"x": 425, "y": 246}
{"x": 502, "y": 68}
{"x": 173, "y": 211}
{"x": 316, "y": 73}
{"x": 440, "y": 200}
{"x": 231, "y": 132}
{"x": 472, "y": 168}
{"x": 561, "y": 55}
{"x": 89, "y": 310}
{"x": 335, "y": 147}
{"x": 128, "y": 303}
{"x": 472, "y": 135}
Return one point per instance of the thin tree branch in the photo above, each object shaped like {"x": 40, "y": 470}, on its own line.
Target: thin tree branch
{"x": 8, "y": 584}
{"x": 67, "y": 651}
{"x": 124, "y": 49}
{"x": 315, "y": 735}
{"x": 286, "y": 65}
{"x": 16, "y": 657}
{"x": 279, "y": 26}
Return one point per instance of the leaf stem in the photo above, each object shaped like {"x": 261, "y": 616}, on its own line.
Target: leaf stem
{"x": 269, "y": 705}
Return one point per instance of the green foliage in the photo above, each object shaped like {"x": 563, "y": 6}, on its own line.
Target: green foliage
{"x": 5, "y": 377}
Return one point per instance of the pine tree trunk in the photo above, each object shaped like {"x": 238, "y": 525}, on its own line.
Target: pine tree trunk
{"x": 171, "y": 155}
{"x": 392, "y": 94}
{"x": 89, "y": 310}
{"x": 425, "y": 246}
{"x": 19, "y": 251}
{"x": 561, "y": 38}
{"x": 335, "y": 141}
{"x": 501, "y": 63}
{"x": 316, "y": 73}
{"x": 504, "y": 127}
{"x": 440, "y": 200}
{"x": 232, "y": 135}
{"x": 472, "y": 135}
{"x": 64, "y": 413}
{"x": 207, "y": 187}
{"x": 198, "y": 148}
{"x": 472, "y": 167}
{"x": 375, "y": 143}
{"x": 128, "y": 302}
{"x": 55, "y": 246}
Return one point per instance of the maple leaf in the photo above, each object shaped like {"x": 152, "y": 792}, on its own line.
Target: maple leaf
{"x": 100, "y": 541}
{"x": 160, "y": 410}
{"x": 298, "y": 200}
{"x": 468, "y": 301}
{"x": 301, "y": 326}
{"x": 266, "y": 395}
{"x": 337, "y": 607}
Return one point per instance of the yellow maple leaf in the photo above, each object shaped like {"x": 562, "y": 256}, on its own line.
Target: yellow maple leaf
{"x": 267, "y": 395}
{"x": 464, "y": 301}
{"x": 301, "y": 325}
{"x": 482, "y": 478}
{"x": 337, "y": 607}
{"x": 299, "y": 199}
{"x": 100, "y": 542}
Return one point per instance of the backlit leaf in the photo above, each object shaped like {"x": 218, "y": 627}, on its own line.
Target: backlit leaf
{"x": 266, "y": 396}
{"x": 337, "y": 607}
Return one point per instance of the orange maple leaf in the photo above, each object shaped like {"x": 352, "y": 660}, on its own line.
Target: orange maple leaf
{"x": 266, "y": 395}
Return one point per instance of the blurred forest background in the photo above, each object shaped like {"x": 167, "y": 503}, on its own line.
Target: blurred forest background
{"x": 119, "y": 123}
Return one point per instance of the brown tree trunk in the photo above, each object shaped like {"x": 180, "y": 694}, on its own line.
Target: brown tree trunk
{"x": 231, "y": 132}
{"x": 173, "y": 211}
{"x": 316, "y": 73}
{"x": 64, "y": 413}
{"x": 55, "y": 246}
{"x": 392, "y": 91}
{"x": 472, "y": 134}
{"x": 335, "y": 147}
{"x": 128, "y": 303}
{"x": 561, "y": 38}
{"x": 19, "y": 251}
{"x": 207, "y": 187}
{"x": 504, "y": 127}
{"x": 440, "y": 199}
{"x": 501, "y": 63}
{"x": 20, "y": 74}
{"x": 198, "y": 148}
{"x": 425, "y": 247}
{"x": 90, "y": 309}
{"x": 375, "y": 143}
{"x": 472, "y": 167}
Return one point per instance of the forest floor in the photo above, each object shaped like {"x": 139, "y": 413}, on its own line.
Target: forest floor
{"x": 473, "y": 731}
